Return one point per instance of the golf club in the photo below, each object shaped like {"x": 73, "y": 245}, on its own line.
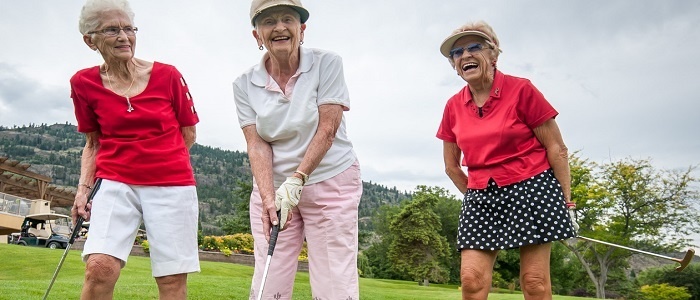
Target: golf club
{"x": 684, "y": 262}
{"x": 270, "y": 250}
{"x": 73, "y": 235}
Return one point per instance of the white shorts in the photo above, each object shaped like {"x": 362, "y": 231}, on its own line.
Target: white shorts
{"x": 170, "y": 214}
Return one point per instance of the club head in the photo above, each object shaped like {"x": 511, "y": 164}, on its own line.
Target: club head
{"x": 686, "y": 260}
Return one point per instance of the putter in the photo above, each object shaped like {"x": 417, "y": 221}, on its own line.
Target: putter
{"x": 684, "y": 262}
{"x": 270, "y": 250}
{"x": 73, "y": 235}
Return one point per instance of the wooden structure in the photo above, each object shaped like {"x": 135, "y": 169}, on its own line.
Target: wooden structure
{"x": 16, "y": 180}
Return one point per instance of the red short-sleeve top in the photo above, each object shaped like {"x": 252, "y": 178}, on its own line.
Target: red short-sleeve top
{"x": 144, "y": 146}
{"x": 497, "y": 139}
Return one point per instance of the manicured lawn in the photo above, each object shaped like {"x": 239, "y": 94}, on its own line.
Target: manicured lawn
{"x": 25, "y": 273}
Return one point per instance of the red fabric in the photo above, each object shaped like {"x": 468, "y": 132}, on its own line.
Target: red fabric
{"x": 500, "y": 144}
{"x": 145, "y": 146}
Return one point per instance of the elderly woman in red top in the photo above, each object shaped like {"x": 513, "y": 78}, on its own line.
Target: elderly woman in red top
{"x": 138, "y": 119}
{"x": 518, "y": 183}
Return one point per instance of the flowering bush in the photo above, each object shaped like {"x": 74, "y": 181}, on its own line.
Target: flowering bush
{"x": 144, "y": 244}
{"x": 239, "y": 243}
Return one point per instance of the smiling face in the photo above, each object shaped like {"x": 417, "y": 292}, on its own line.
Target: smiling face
{"x": 475, "y": 66}
{"x": 280, "y": 30}
{"x": 113, "y": 48}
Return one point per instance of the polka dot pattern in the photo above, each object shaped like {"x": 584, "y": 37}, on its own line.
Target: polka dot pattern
{"x": 529, "y": 212}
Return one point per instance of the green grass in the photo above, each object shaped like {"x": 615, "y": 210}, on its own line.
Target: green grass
{"x": 25, "y": 273}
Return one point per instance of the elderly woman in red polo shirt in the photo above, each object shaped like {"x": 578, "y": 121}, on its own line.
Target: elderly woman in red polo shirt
{"x": 518, "y": 184}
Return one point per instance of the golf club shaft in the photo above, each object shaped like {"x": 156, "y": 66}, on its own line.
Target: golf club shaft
{"x": 630, "y": 249}
{"x": 73, "y": 236}
{"x": 270, "y": 251}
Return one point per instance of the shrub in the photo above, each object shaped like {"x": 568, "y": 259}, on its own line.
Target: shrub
{"x": 144, "y": 244}
{"x": 664, "y": 291}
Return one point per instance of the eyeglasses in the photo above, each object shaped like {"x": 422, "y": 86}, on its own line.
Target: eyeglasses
{"x": 471, "y": 48}
{"x": 114, "y": 31}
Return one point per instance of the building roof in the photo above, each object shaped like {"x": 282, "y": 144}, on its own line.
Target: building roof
{"x": 16, "y": 180}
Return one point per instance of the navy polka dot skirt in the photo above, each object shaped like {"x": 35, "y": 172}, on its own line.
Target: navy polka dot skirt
{"x": 529, "y": 212}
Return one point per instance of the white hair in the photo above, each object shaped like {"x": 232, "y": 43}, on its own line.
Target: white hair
{"x": 90, "y": 16}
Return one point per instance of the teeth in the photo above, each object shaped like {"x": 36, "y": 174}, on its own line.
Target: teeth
{"x": 469, "y": 66}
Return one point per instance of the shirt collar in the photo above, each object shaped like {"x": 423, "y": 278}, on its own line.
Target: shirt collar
{"x": 260, "y": 74}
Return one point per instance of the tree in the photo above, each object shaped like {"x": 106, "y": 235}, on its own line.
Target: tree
{"x": 419, "y": 249}
{"x": 630, "y": 203}
{"x": 240, "y": 221}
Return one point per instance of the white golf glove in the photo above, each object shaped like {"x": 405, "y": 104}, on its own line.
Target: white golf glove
{"x": 287, "y": 197}
{"x": 572, "y": 214}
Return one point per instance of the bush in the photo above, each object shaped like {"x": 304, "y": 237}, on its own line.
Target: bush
{"x": 144, "y": 244}
{"x": 664, "y": 291}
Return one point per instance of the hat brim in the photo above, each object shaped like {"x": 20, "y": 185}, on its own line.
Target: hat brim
{"x": 303, "y": 13}
{"x": 447, "y": 44}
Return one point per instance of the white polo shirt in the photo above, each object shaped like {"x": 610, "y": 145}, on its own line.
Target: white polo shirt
{"x": 289, "y": 121}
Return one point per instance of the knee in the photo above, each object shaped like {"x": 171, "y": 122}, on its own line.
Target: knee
{"x": 172, "y": 280}
{"x": 534, "y": 283}
{"x": 473, "y": 280}
{"x": 102, "y": 269}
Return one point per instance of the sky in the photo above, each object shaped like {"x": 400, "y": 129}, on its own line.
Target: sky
{"x": 620, "y": 72}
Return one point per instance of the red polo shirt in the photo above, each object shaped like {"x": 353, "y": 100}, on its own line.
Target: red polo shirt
{"x": 497, "y": 139}
{"x": 145, "y": 146}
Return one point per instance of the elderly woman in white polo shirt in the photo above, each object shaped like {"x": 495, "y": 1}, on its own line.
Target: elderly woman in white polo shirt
{"x": 290, "y": 107}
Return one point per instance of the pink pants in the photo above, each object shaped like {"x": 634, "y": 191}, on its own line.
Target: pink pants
{"x": 327, "y": 217}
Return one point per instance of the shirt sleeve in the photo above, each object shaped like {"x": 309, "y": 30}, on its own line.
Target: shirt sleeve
{"x": 246, "y": 113}
{"x": 183, "y": 104}
{"x": 84, "y": 114}
{"x": 332, "y": 88}
{"x": 533, "y": 109}
{"x": 445, "y": 131}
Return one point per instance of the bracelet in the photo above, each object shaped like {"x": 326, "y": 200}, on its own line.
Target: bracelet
{"x": 85, "y": 185}
{"x": 570, "y": 205}
{"x": 304, "y": 177}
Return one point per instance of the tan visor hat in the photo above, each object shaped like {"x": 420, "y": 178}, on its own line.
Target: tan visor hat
{"x": 258, "y": 6}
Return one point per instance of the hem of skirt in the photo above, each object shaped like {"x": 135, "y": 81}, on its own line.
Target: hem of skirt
{"x": 506, "y": 247}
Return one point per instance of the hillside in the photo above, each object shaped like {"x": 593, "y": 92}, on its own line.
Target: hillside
{"x": 223, "y": 176}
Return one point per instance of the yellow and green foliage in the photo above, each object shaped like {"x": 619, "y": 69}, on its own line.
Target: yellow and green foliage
{"x": 665, "y": 291}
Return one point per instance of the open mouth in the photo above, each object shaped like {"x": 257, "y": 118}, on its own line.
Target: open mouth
{"x": 469, "y": 66}
{"x": 280, "y": 38}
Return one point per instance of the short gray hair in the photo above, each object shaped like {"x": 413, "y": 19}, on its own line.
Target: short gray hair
{"x": 91, "y": 14}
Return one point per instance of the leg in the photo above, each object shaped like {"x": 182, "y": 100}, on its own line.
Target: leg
{"x": 476, "y": 272}
{"x": 172, "y": 287}
{"x": 535, "y": 280}
{"x": 101, "y": 274}
{"x": 115, "y": 217}
{"x": 283, "y": 265}
{"x": 329, "y": 209}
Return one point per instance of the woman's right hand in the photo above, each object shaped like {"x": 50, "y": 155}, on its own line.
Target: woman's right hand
{"x": 269, "y": 216}
{"x": 81, "y": 207}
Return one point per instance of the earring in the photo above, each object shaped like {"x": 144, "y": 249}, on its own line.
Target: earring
{"x": 261, "y": 47}
{"x": 301, "y": 43}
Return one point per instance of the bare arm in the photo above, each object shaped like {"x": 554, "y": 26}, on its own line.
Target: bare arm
{"x": 260, "y": 155}
{"x": 330, "y": 116}
{"x": 452, "y": 155}
{"x": 189, "y": 133}
{"x": 557, "y": 154}
{"x": 87, "y": 176}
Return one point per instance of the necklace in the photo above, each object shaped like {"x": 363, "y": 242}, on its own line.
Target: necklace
{"x": 124, "y": 94}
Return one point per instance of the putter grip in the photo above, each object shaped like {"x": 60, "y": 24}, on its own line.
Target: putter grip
{"x": 273, "y": 236}
{"x": 79, "y": 222}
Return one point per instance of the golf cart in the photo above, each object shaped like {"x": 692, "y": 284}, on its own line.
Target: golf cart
{"x": 48, "y": 230}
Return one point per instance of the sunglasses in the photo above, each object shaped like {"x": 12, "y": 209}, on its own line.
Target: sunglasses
{"x": 471, "y": 48}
